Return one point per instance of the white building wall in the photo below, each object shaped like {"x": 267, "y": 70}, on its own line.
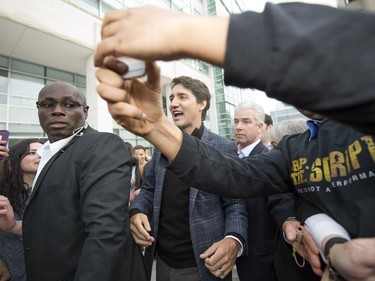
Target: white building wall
{"x": 65, "y": 22}
{"x": 55, "y": 17}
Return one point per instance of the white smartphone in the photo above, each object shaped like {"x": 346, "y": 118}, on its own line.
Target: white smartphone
{"x": 136, "y": 67}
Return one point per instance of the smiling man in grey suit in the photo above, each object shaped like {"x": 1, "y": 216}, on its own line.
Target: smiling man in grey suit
{"x": 76, "y": 224}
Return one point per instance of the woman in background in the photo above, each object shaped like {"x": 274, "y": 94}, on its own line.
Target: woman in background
{"x": 17, "y": 174}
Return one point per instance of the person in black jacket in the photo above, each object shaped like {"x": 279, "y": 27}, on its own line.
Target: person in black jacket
{"x": 335, "y": 174}
{"x": 292, "y": 54}
{"x": 76, "y": 225}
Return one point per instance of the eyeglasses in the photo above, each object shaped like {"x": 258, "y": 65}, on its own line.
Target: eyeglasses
{"x": 51, "y": 104}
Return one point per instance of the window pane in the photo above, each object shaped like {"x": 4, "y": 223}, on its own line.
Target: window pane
{"x": 24, "y": 85}
{"x": 60, "y": 75}
{"x": 3, "y": 112}
{"x": 29, "y": 130}
{"x": 81, "y": 80}
{"x": 4, "y": 62}
{"x": 18, "y": 114}
{"x": 3, "y": 81}
{"x": 21, "y": 101}
{"x": 89, "y": 5}
{"x": 3, "y": 99}
{"x": 105, "y": 8}
{"x": 27, "y": 67}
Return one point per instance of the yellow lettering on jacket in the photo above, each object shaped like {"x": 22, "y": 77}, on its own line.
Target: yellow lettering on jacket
{"x": 336, "y": 164}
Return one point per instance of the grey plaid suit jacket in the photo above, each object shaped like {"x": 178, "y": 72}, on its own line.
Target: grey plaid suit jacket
{"x": 211, "y": 216}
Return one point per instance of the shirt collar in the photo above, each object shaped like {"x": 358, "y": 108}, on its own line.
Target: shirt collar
{"x": 55, "y": 146}
{"x": 245, "y": 152}
{"x": 198, "y": 132}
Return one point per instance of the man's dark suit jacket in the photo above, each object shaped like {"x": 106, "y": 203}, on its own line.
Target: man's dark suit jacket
{"x": 76, "y": 226}
{"x": 264, "y": 215}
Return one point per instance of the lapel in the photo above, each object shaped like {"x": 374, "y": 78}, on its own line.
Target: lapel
{"x": 207, "y": 138}
{"x": 48, "y": 165}
{"x": 257, "y": 149}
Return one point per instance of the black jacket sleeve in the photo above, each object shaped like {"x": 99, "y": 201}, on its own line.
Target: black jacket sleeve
{"x": 258, "y": 175}
{"x": 313, "y": 57}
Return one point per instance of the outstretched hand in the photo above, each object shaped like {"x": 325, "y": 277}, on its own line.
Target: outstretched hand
{"x": 137, "y": 105}
{"x": 151, "y": 33}
{"x": 142, "y": 33}
{"x": 134, "y": 105}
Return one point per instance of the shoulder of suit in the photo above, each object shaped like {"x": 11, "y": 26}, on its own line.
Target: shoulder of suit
{"x": 91, "y": 135}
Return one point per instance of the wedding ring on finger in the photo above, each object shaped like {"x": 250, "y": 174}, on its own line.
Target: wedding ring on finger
{"x": 221, "y": 271}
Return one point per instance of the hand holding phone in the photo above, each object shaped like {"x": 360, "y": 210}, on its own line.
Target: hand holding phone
{"x": 4, "y": 136}
{"x": 136, "y": 67}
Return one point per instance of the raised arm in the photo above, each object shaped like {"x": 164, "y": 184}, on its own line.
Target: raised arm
{"x": 173, "y": 35}
{"x": 287, "y": 51}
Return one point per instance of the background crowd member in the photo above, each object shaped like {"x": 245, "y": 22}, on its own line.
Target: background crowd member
{"x": 339, "y": 87}
{"x": 4, "y": 271}
{"x": 86, "y": 176}
{"x": 186, "y": 222}
{"x": 135, "y": 181}
{"x": 16, "y": 177}
{"x": 286, "y": 128}
{"x": 266, "y": 215}
{"x": 140, "y": 154}
{"x": 134, "y": 167}
{"x": 284, "y": 265}
{"x": 265, "y": 138}
{"x": 258, "y": 264}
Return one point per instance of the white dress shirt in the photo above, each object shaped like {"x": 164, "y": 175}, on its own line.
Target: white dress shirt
{"x": 46, "y": 151}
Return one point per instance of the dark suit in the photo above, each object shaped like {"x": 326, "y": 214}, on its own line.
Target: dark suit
{"x": 76, "y": 226}
{"x": 264, "y": 215}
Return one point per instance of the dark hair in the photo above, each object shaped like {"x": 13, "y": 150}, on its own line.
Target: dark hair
{"x": 198, "y": 88}
{"x": 11, "y": 175}
{"x": 268, "y": 119}
{"x": 139, "y": 147}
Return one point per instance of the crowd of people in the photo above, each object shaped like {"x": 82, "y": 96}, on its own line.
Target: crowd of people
{"x": 203, "y": 203}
